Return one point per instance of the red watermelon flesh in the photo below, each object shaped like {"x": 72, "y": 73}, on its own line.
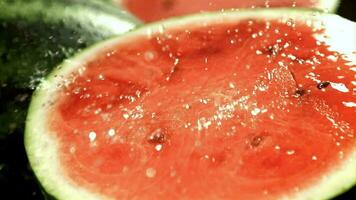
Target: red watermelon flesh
{"x": 153, "y": 10}
{"x": 249, "y": 110}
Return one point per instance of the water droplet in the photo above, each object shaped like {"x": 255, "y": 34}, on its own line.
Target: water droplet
{"x": 101, "y": 77}
{"x": 150, "y": 172}
{"x": 267, "y": 4}
{"x": 290, "y": 152}
{"x": 341, "y": 154}
{"x": 149, "y": 56}
{"x": 255, "y": 111}
{"x": 231, "y": 85}
{"x": 111, "y": 132}
{"x": 271, "y": 116}
{"x": 72, "y": 149}
{"x": 277, "y": 147}
{"x": 186, "y": 106}
{"x": 340, "y": 87}
{"x": 92, "y": 136}
{"x": 349, "y": 104}
{"x": 314, "y": 158}
{"x": 158, "y": 147}
{"x": 258, "y": 52}
{"x": 97, "y": 111}
{"x": 126, "y": 116}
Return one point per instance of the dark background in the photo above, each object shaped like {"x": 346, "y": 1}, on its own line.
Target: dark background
{"x": 17, "y": 181}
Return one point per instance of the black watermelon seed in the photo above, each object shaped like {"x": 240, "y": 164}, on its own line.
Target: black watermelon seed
{"x": 323, "y": 84}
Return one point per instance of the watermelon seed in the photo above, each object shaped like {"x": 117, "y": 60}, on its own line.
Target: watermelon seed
{"x": 273, "y": 50}
{"x": 299, "y": 92}
{"x": 323, "y": 84}
{"x": 157, "y": 137}
{"x": 256, "y": 141}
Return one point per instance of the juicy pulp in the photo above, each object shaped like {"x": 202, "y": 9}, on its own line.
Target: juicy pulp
{"x": 245, "y": 110}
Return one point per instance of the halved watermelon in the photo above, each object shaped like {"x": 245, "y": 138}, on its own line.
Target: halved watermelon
{"x": 159, "y": 9}
{"x": 256, "y": 104}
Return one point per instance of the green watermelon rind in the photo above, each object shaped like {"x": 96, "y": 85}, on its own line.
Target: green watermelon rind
{"x": 52, "y": 11}
{"x": 37, "y": 35}
{"x": 42, "y": 146}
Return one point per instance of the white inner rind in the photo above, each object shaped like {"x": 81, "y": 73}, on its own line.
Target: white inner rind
{"x": 42, "y": 146}
{"x": 328, "y": 5}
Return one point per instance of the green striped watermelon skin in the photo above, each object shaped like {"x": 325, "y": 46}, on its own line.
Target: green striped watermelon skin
{"x": 36, "y": 35}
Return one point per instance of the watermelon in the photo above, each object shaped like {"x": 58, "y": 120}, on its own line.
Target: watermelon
{"x": 36, "y": 35}
{"x": 160, "y": 9}
{"x": 255, "y": 104}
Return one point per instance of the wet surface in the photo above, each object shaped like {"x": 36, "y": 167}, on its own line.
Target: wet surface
{"x": 18, "y": 182}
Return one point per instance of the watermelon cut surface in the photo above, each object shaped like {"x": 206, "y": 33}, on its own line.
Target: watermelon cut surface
{"x": 242, "y": 105}
{"x": 160, "y": 9}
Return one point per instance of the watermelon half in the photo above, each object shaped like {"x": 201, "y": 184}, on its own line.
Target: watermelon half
{"x": 256, "y": 104}
{"x": 160, "y": 9}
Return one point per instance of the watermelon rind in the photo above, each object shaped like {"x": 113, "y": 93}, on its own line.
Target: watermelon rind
{"x": 43, "y": 148}
{"x": 328, "y": 5}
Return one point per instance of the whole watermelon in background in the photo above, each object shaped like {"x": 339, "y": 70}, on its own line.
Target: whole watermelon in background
{"x": 160, "y": 9}
{"x": 36, "y": 35}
